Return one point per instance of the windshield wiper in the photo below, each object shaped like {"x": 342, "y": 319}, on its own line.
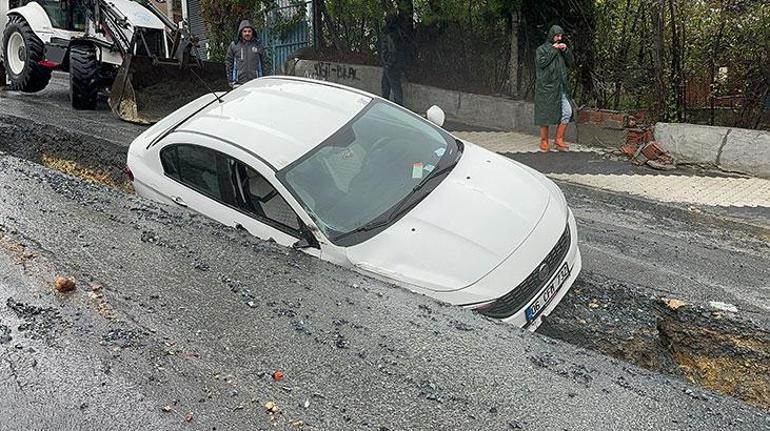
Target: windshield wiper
{"x": 398, "y": 209}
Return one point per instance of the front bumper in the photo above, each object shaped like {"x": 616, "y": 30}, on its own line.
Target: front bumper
{"x": 518, "y": 317}
{"x": 575, "y": 262}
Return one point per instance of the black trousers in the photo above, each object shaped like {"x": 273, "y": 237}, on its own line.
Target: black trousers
{"x": 391, "y": 81}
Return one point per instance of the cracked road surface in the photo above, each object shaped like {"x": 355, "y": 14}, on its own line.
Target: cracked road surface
{"x": 178, "y": 323}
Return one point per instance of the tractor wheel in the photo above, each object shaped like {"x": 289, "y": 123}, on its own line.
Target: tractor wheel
{"x": 22, "y": 50}
{"x": 84, "y": 76}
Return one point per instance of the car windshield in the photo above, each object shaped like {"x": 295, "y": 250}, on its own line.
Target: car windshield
{"x": 363, "y": 174}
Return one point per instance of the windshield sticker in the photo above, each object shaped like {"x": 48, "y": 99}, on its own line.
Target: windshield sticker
{"x": 428, "y": 167}
{"x": 440, "y": 151}
{"x": 417, "y": 170}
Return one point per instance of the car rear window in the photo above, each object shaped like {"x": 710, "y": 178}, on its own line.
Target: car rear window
{"x": 193, "y": 166}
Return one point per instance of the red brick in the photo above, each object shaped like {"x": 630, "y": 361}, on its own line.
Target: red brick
{"x": 652, "y": 151}
{"x": 634, "y": 136}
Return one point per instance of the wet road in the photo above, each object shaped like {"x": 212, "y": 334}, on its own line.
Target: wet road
{"x": 193, "y": 317}
{"x": 636, "y": 253}
{"x": 52, "y": 106}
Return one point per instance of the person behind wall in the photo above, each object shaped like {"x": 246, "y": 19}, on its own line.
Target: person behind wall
{"x": 392, "y": 53}
{"x": 245, "y": 56}
{"x": 552, "y": 104}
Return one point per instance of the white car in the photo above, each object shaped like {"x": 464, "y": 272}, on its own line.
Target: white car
{"x": 358, "y": 181}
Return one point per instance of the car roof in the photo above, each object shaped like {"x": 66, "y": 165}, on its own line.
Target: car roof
{"x": 279, "y": 118}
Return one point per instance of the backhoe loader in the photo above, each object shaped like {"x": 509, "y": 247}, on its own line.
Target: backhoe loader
{"x": 146, "y": 64}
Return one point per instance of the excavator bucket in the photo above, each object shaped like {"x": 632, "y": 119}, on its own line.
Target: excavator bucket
{"x": 146, "y": 90}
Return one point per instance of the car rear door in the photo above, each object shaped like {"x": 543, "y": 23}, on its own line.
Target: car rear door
{"x": 200, "y": 176}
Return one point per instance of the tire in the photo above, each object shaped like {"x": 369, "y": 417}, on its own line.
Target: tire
{"x": 22, "y": 65}
{"x": 84, "y": 76}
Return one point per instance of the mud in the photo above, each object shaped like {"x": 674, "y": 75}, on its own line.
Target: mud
{"x": 205, "y": 314}
{"x": 158, "y": 100}
{"x": 716, "y": 350}
{"x": 92, "y": 159}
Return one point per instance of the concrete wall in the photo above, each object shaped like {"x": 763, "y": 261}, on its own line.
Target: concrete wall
{"x": 472, "y": 109}
{"x": 733, "y": 149}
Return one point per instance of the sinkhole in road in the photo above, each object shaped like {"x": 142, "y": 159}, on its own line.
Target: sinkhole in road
{"x": 710, "y": 348}
{"x": 85, "y": 157}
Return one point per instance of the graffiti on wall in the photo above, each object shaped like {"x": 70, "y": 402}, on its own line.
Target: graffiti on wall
{"x": 333, "y": 72}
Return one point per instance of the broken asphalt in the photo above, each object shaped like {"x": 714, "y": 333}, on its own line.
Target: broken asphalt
{"x": 174, "y": 312}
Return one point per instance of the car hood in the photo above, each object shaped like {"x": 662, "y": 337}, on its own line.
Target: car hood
{"x": 477, "y": 217}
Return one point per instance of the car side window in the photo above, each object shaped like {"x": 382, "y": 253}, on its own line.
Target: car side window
{"x": 201, "y": 169}
{"x": 260, "y": 199}
{"x": 231, "y": 182}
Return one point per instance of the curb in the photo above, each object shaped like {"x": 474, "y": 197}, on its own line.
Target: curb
{"x": 732, "y": 149}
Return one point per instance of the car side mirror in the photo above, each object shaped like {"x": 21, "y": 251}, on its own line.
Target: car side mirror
{"x": 436, "y": 115}
{"x": 307, "y": 239}
{"x": 302, "y": 243}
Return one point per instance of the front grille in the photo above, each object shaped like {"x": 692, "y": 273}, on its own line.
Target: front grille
{"x": 516, "y": 299}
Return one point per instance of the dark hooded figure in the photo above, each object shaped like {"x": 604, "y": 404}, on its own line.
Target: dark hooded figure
{"x": 552, "y": 104}
{"x": 245, "y": 56}
{"x": 392, "y": 53}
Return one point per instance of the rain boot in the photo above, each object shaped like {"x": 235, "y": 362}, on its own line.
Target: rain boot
{"x": 559, "y": 139}
{"x": 544, "y": 139}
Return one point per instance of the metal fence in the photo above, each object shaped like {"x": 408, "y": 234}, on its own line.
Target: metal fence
{"x": 281, "y": 41}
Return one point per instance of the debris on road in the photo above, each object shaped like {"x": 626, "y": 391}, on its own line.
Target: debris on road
{"x": 65, "y": 284}
{"x": 675, "y": 304}
{"x": 166, "y": 408}
{"x": 722, "y": 306}
{"x": 5, "y": 334}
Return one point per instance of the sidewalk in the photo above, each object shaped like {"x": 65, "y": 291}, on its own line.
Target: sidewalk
{"x": 600, "y": 169}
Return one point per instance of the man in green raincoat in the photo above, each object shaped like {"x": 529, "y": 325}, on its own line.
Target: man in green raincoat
{"x": 552, "y": 104}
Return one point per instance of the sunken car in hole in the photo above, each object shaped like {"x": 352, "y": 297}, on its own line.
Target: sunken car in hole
{"x": 353, "y": 179}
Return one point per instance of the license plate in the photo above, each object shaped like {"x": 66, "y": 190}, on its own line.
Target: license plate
{"x": 542, "y": 301}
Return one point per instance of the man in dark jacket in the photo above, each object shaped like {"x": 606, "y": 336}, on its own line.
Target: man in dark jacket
{"x": 392, "y": 53}
{"x": 552, "y": 104}
{"x": 245, "y": 56}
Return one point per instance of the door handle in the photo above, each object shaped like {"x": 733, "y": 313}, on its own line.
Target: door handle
{"x": 179, "y": 201}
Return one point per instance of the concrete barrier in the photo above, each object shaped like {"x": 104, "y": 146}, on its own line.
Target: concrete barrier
{"x": 740, "y": 150}
{"x": 473, "y": 109}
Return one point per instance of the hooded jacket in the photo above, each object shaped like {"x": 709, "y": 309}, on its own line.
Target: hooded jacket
{"x": 245, "y": 59}
{"x": 551, "y": 79}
